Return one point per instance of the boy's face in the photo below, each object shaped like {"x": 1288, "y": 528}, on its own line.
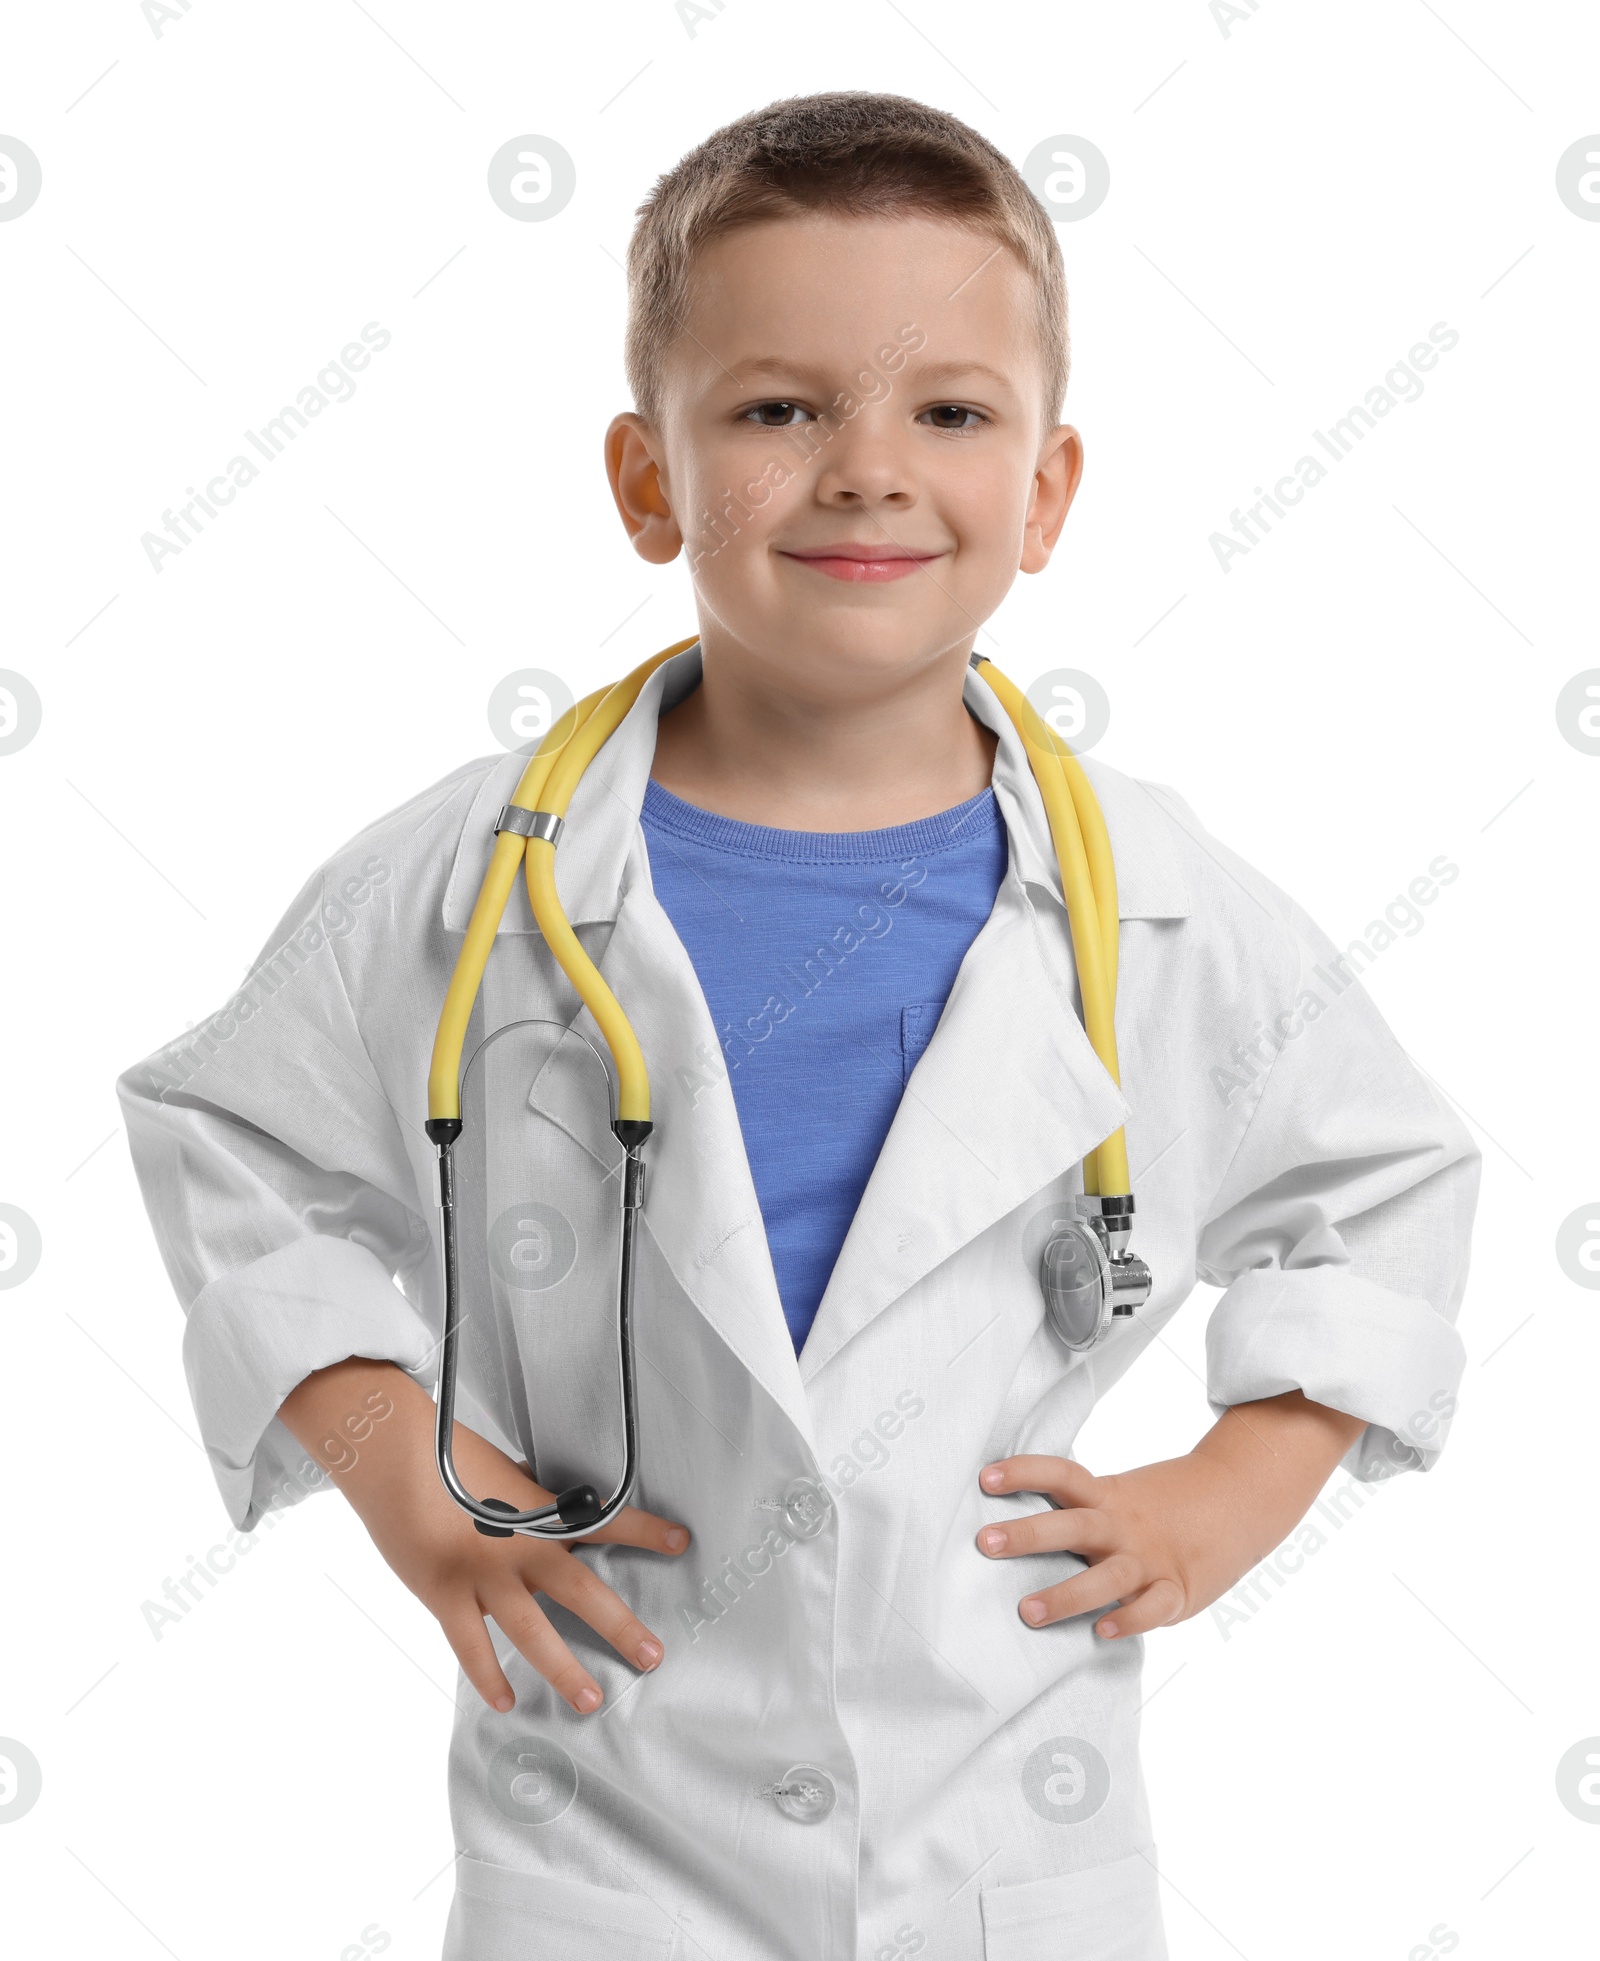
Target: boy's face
{"x": 851, "y": 447}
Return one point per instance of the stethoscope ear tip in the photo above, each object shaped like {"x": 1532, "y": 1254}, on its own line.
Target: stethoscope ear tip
{"x": 579, "y": 1505}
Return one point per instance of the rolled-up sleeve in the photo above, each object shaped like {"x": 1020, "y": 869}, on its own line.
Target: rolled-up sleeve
{"x": 284, "y": 1203}
{"x": 1341, "y": 1231}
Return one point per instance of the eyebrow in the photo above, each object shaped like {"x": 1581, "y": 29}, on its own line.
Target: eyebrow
{"x": 772, "y": 364}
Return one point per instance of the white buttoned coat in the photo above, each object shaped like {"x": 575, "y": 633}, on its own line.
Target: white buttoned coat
{"x": 854, "y": 1747}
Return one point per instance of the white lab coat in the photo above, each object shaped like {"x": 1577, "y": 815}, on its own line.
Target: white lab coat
{"x": 833, "y": 1611}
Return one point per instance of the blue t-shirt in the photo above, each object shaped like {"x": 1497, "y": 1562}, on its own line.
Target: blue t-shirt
{"x": 825, "y": 958}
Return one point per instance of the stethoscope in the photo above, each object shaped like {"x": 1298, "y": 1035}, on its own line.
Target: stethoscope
{"x": 1087, "y": 1274}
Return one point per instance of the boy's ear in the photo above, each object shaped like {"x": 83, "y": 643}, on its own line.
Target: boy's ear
{"x": 634, "y": 465}
{"x": 1055, "y": 483}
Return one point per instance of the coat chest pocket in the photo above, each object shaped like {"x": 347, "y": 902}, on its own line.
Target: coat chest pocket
{"x": 1105, "y": 1913}
{"x": 502, "y": 1915}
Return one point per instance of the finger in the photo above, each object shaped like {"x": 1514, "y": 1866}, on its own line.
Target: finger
{"x": 1073, "y": 1530}
{"x": 633, "y": 1527}
{"x": 1111, "y": 1579}
{"x": 1158, "y": 1605}
{"x": 467, "y": 1635}
{"x": 580, "y": 1589}
{"x": 1057, "y": 1477}
{"x": 523, "y": 1622}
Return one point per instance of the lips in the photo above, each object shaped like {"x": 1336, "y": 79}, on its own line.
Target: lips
{"x": 863, "y": 564}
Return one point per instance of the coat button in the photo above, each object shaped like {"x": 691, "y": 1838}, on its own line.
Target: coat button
{"x": 805, "y": 1794}
{"x": 806, "y": 1506}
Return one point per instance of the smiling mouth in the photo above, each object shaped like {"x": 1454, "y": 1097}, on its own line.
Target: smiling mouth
{"x": 863, "y": 564}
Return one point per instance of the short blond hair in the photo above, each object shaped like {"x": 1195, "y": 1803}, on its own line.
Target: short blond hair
{"x": 848, "y": 152}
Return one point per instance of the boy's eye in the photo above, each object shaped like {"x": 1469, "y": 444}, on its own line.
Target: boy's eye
{"x": 776, "y": 415}
{"x": 948, "y": 409}
{"x": 953, "y": 417}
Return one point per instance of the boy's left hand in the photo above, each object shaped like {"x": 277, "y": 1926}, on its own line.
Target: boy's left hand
{"x": 1167, "y": 1539}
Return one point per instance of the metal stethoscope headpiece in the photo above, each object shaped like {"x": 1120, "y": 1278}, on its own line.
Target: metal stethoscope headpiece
{"x": 1087, "y": 1274}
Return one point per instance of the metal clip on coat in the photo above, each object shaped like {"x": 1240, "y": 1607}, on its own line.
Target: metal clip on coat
{"x": 1087, "y": 1273}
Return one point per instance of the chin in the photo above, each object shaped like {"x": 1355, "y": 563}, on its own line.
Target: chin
{"x": 882, "y": 647}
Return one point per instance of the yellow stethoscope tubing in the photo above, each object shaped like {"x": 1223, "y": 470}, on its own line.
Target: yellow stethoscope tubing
{"x": 511, "y": 851}
{"x": 444, "y": 1071}
{"x": 1089, "y": 887}
{"x": 633, "y": 1079}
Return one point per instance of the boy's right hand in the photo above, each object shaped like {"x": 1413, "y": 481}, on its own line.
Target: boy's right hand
{"x": 371, "y": 1427}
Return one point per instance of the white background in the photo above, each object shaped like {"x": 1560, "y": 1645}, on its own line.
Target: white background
{"x": 1367, "y": 1764}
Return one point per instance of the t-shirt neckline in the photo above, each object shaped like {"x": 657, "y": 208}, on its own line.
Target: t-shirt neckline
{"x": 947, "y": 830}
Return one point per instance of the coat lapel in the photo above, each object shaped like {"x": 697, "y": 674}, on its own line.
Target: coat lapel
{"x": 1007, "y": 1096}
{"x": 700, "y": 1203}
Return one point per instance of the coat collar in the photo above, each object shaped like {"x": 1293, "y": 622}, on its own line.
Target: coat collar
{"x": 603, "y": 818}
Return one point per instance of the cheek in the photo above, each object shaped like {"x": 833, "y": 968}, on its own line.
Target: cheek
{"x": 733, "y": 502}
{"x": 986, "y": 505}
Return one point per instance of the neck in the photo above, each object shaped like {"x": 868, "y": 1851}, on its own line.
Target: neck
{"x": 760, "y": 744}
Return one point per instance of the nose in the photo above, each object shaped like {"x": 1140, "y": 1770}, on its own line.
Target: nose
{"x": 864, "y": 461}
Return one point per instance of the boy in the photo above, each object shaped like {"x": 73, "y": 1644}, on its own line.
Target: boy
{"x": 838, "y": 1686}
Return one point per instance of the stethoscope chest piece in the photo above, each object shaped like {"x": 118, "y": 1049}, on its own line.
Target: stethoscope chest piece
{"x": 1087, "y": 1274}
